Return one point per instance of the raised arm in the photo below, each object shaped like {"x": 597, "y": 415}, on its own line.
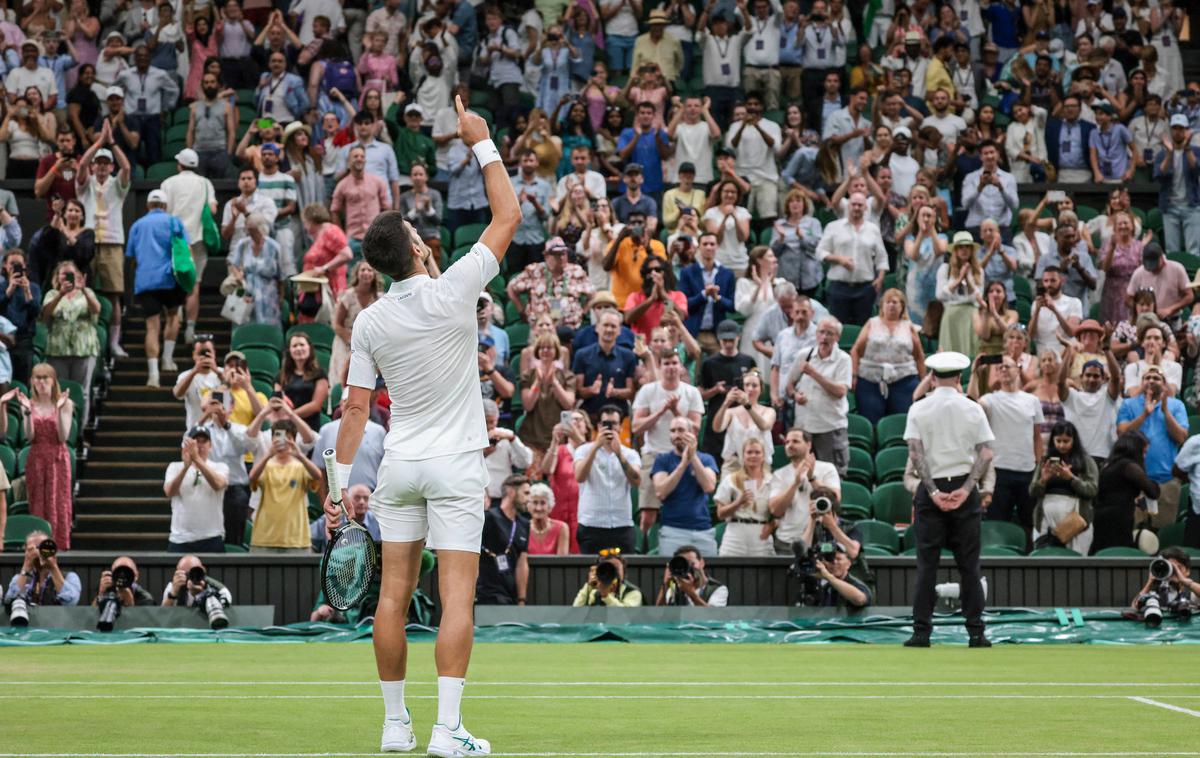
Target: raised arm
{"x": 506, "y": 211}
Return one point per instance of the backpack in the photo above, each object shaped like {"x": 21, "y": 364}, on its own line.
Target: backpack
{"x": 340, "y": 75}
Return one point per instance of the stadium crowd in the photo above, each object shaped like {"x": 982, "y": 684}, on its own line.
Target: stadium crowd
{"x": 746, "y": 224}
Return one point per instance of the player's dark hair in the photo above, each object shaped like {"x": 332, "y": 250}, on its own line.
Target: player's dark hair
{"x": 388, "y": 247}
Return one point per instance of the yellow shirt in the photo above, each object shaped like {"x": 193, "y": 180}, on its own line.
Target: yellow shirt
{"x": 670, "y": 211}
{"x": 282, "y": 519}
{"x": 937, "y": 76}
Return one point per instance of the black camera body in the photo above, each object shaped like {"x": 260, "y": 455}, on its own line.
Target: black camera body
{"x": 110, "y": 602}
{"x": 805, "y": 568}
{"x": 48, "y": 548}
{"x": 1156, "y": 603}
{"x": 680, "y": 567}
{"x": 209, "y": 601}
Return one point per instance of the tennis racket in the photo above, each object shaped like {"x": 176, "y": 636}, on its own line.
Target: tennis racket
{"x": 350, "y": 564}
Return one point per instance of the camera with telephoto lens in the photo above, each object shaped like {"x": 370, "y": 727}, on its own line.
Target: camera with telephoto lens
{"x": 805, "y": 567}
{"x": 48, "y": 549}
{"x": 110, "y": 602}
{"x": 680, "y": 567}
{"x": 822, "y": 505}
{"x": 18, "y": 612}
{"x": 1152, "y": 605}
{"x": 209, "y": 601}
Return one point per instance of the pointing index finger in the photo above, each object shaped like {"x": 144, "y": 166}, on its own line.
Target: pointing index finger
{"x": 459, "y": 105}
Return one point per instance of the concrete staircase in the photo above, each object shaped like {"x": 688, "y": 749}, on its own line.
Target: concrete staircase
{"x": 120, "y": 505}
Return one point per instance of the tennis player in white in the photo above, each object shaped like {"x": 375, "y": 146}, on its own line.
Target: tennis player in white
{"x": 422, "y": 337}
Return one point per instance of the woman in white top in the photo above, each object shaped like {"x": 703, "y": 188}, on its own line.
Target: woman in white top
{"x": 731, "y": 223}
{"x": 22, "y": 131}
{"x": 959, "y": 284}
{"x": 1153, "y": 342}
{"x": 594, "y": 246}
{"x": 753, "y": 295}
{"x": 1106, "y": 223}
{"x": 113, "y": 59}
{"x": 741, "y": 500}
{"x": 741, "y": 418}
{"x": 1030, "y": 243}
{"x": 887, "y": 360}
{"x": 1166, "y": 24}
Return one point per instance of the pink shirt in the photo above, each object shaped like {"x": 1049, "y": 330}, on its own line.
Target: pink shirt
{"x": 377, "y": 69}
{"x": 325, "y": 248}
{"x": 359, "y": 201}
{"x": 1170, "y": 283}
{"x": 652, "y": 316}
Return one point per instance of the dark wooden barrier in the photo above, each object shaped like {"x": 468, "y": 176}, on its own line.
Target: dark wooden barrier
{"x": 290, "y": 583}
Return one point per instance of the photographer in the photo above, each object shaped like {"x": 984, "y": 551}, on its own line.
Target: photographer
{"x": 606, "y": 584}
{"x": 825, "y": 526}
{"x": 190, "y": 583}
{"x": 1169, "y": 588}
{"x": 838, "y": 588}
{"x": 41, "y": 581}
{"x": 196, "y": 487}
{"x": 685, "y": 583}
{"x": 121, "y": 580}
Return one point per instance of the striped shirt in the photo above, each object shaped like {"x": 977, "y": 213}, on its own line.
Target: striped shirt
{"x": 282, "y": 189}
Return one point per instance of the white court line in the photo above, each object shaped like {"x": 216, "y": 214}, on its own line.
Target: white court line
{"x": 609, "y": 754}
{"x": 1168, "y": 706}
{"x": 672, "y": 696}
{"x": 676, "y": 683}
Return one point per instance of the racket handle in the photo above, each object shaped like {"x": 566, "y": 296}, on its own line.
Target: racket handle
{"x": 334, "y": 479}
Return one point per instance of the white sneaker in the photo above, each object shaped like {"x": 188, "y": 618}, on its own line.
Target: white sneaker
{"x": 456, "y": 743}
{"x": 189, "y": 335}
{"x": 152, "y": 381}
{"x": 117, "y": 351}
{"x": 167, "y": 364}
{"x": 397, "y": 736}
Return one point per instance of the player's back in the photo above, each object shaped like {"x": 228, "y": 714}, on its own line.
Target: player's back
{"x": 422, "y": 338}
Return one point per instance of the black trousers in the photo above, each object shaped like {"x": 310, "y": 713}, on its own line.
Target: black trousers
{"x": 957, "y": 530}
{"x": 520, "y": 256}
{"x": 237, "y": 512}
{"x": 1191, "y": 529}
{"x": 593, "y": 539}
{"x": 1011, "y": 495}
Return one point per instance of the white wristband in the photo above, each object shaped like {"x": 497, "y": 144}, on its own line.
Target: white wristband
{"x": 486, "y": 152}
{"x": 343, "y": 474}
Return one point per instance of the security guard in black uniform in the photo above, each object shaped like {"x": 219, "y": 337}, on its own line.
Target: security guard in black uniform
{"x": 949, "y": 441}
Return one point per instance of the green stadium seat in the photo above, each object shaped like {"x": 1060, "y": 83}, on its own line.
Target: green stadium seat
{"x": 322, "y": 355}
{"x": 19, "y": 526}
{"x": 861, "y": 433}
{"x": 1171, "y": 535}
{"x": 856, "y": 501}
{"x": 779, "y": 458}
{"x": 263, "y": 364}
{"x": 106, "y": 309}
{"x": 912, "y": 552}
{"x": 1086, "y": 212}
{"x": 1054, "y": 552}
{"x": 16, "y": 432}
{"x": 8, "y": 458}
{"x": 1189, "y": 261}
{"x": 647, "y": 544}
{"x": 862, "y": 467}
{"x": 892, "y": 503}
{"x": 518, "y": 335}
{"x": 18, "y": 507}
{"x": 261, "y": 336}
{"x": 720, "y": 532}
{"x": 1120, "y": 552}
{"x": 890, "y": 463}
{"x": 467, "y": 235}
{"x": 890, "y": 431}
{"x": 879, "y": 534}
{"x": 1003, "y": 534}
{"x": 321, "y": 335}
{"x": 874, "y": 551}
{"x": 849, "y": 335}
{"x": 247, "y": 113}
{"x": 245, "y": 97}
{"x": 998, "y": 551}
{"x": 160, "y": 171}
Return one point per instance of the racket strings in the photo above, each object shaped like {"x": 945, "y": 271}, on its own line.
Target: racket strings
{"x": 351, "y": 567}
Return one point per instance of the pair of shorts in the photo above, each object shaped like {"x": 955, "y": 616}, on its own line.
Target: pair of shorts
{"x": 108, "y": 269}
{"x": 154, "y": 302}
{"x": 439, "y": 500}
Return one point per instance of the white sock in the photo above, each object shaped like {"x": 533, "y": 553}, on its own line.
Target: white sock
{"x": 393, "y": 700}
{"x": 191, "y": 326}
{"x": 152, "y": 363}
{"x": 114, "y": 336}
{"x": 450, "y": 690}
{"x": 168, "y": 350}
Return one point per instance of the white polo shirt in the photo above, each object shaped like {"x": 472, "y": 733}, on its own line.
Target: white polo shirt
{"x": 863, "y": 245}
{"x": 197, "y": 512}
{"x": 651, "y": 397}
{"x": 949, "y": 425}
{"x": 824, "y": 412}
{"x": 422, "y": 337}
{"x": 1013, "y": 417}
{"x": 795, "y": 519}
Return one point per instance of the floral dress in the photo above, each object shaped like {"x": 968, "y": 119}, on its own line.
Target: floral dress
{"x": 48, "y": 477}
{"x": 921, "y": 285}
{"x": 1126, "y": 259}
{"x": 261, "y": 276}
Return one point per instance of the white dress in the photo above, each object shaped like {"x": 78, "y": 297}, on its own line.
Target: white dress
{"x": 1054, "y": 509}
{"x": 736, "y": 435}
{"x": 743, "y": 539}
{"x": 753, "y": 310}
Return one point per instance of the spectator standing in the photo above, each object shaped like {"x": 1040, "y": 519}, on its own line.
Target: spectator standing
{"x": 692, "y": 130}
{"x": 361, "y": 196}
{"x": 1110, "y": 148}
{"x": 188, "y": 193}
{"x": 741, "y": 419}
{"x": 282, "y": 189}
{"x": 959, "y": 288}
{"x": 1122, "y": 484}
{"x": 551, "y": 286}
{"x": 792, "y": 488}
{"x": 547, "y": 390}
{"x": 605, "y": 471}
{"x": 1055, "y": 313}
{"x": 854, "y": 248}
{"x": 285, "y": 476}
{"x": 1067, "y": 141}
{"x": 1013, "y": 415}
{"x": 504, "y": 454}
{"x": 547, "y": 536}
{"x": 1064, "y": 486}
{"x": 1121, "y": 256}
{"x": 1177, "y": 170}
{"x": 302, "y": 380}
{"x": 655, "y": 407}
{"x": 504, "y": 553}
{"x": 235, "y": 216}
{"x": 620, "y": 32}
{"x": 103, "y": 197}
{"x": 196, "y": 487}
{"x": 365, "y": 471}
{"x": 48, "y": 413}
{"x": 887, "y": 360}
{"x": 558, "y": 466}
{"x": 1092, "y": 406}
{"x": 154, "y": 285}
{"x": 197, "y": 382}
{"x": 149, "y": 93}
{"x": 71, "y": 311}
{"x": 627, "y": 254}
{"x": 754, "y": 293}
{"x": 818, "y": 383}
{"x": 1164, "y": 422}
{"x": 683, "y": 478}
{"x": 989, "y": 192}
{"x": 1168, "y": 280}
{"x": 466, "y": 200}
{"x": 382, "y": 159}
{"x": 729, "y": 224}
{"x": 657, "y": 47}
{"x": 330, "y": 252}
{"x": 280, "y": 94}
{"x": 366, "y": 286}
{"x": 56, "y": 171}
{"x": 20, "y": 304}
{"x": 647, "y": 146}
{"x": 256, "y": 266}
{"x": 1185, "y": 466}
{"x": 847, "y": 129}
{"x": 534, "y": 193}
{"x": 421, "y": 205}
{"x": 212, "y": 129}
{"x": 229, "y": 446}
{"x": 758, "y": 145}
{"x": 720, "y": 373}
{"x": 742, "y": 502}
{"x": 708, "y": 287}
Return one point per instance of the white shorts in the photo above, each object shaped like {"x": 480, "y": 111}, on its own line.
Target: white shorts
{"x": 436, "y": 499}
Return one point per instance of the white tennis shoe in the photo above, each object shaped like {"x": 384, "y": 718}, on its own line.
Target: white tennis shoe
{"x": 397, "y": 736}
{"x": 456, "y": 743}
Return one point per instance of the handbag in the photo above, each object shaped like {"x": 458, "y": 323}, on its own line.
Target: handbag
{"x": 236, "y": 309}
{"x": 1071, "y": 526}
{"x": 210, "y": 232}
{"x": 182, "y": 265}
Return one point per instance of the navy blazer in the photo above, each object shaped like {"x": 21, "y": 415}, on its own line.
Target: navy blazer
{"x": 1054, "y": 129}
{"x": 691, "y": 284}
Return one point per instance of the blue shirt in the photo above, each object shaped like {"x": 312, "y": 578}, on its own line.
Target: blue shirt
{"x": 1160, "y": 455}
{"x": 500, "y": 337}
{"x": 791, "y": 49}
{"x": 614, "y": 368}
{"x": 317, "y": 528}
{"x": 44, "y": 594}
{"x": 468, "y": 29}
{"x": 1111, "y": 150}
{"x": 1070, "y": 145}
{"x": 1003, "y": 20}
{"x": 59, "y": 64}
{"x": 586, "y": 337}
{"x": 687, "y": 505}
{"x": 645, "y": 152}
{"x": 22, "y": 313}
{"x": 622, "y": 207}
{"x": 531, "y": 230}
{"x": 150, "y": 244}
{"x": 1188, "y": 462}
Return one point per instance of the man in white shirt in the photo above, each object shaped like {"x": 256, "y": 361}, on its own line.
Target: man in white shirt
{"x": 187, "y": 193}
{"x": 1015, "y": 417}
{"x": 848, "y": 127}
{"x": 194, "y": 384}
{"x": 30, "y": 74}
{"x": 654, "y": 407}
{"x": 692, "y": 131}
{"x": 990, "y": 192}
{"x": 1054, "y": 313}
{"x": 505, "y": 453}
{"x": 818, "y": 382}
{"x": 581, "y": 173}
{"x": 944, "y": 119}
{"x": 761, "y": 71}
{"x": 196, "y": 487}
{"x": 1149, "y": 129}
{"x": 757, "y": 142}
{"x": 853, "y": 247}
{"x": 792, "y": 485}
{"x": 422, "y": 337}
{"x": 904, "y": 167}
{"x": 1093, "y": 407}
{"x": 238, "y": 209}
{"x": 606, "y": 471}
{"x": 304, "y": 11}
{"x": 721, "y": 62}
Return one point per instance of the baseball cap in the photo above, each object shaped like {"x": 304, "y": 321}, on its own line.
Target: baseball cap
{"x": 728, "y": 330}
{"x": 1152, "y": 253}
{"x": 414, "y": 108}
{"x": 187, "y": 158}
{"x": 114, "y": 91}
{"x": 157, "y": 196}
{"x": 32, "y": 43}
{"x": 633, "y": 168}
{"x": 199, "y": 431}
{"x": 1180, "y": 119}
{"x": 269, "y": 147}
{"x": 103, "y": 154}
{"x": 902, "y": 131}
{"x": 233, "y": 355}
{"x": 658, "y": 17}
{"x": 911, "y": 37}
